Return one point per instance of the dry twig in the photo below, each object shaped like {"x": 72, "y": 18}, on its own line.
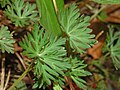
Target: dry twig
{"x": 7, "y": 80}
{"x": 2, "y": 74}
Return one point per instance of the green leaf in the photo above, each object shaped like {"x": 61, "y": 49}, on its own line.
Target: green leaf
{"x": 57, "y": 87}
{"x": 20, "y": 86}
{"x": 48, "y": 53}
{"x": 102, "y": 16}
{"x": 107, "y": 1}
{"x": 112, "y": 46}
{"x": 75, "y": 28}
{"x": 79, "y": 83}
{"x": 3, "y": 3}
{"x": 48, "y": 18}
{"x": 60, "y": 4}
{"x": 77, "y": 71}
{"x": 21, "y": 13}
{"x": 6, "y": 40}
{"x": 101, "y": 85}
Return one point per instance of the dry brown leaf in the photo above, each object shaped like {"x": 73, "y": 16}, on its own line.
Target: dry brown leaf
{"x": 99, "y": 29}
{"x": 95, "y": 51}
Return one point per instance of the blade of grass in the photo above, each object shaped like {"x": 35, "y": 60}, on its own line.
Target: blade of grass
{"x": 21, "y": 77}
{"x": 59, "y": 4}
{"x": 48, "y": 18}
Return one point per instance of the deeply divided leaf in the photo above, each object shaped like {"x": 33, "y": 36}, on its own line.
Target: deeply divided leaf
{"x": 21, "y": 13}
{"x": 6, "y": 40}
{"x": 48, "y": 53}
{"x": 112, "y": 46}
{"x": 77, "y": 71}
{"x": 76, "y": 28}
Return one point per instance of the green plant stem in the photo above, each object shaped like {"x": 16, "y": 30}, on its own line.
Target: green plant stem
{"x": 68, "y": 48}
{"x": 21, "y": 77}
{"x": 96, "y": 13}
